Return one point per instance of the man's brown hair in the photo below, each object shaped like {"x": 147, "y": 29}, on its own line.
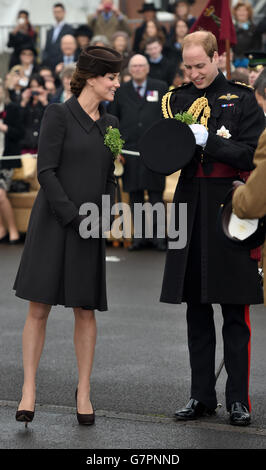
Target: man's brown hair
{"x": 202, "y": 38}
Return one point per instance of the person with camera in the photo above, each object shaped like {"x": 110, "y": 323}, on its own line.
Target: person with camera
{"x": 33, "y": 103}
{"x": 15, "y": 83}
{"x": 107, "y": 20}
{"x": 22, "y": 34}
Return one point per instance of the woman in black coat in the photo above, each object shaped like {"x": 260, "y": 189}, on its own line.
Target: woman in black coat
{"x": 58, "y": 265}
{"x": 34, "y": 101}
{"x": 23, "y": 34}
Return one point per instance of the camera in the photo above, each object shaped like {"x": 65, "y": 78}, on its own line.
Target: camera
{"x": 23, "y": 82}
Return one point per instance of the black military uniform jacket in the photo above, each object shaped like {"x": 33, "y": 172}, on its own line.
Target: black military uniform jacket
{"x": 207, "y": 270}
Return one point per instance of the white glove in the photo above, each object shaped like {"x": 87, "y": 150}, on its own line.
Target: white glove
{"x": 201, "y": 134}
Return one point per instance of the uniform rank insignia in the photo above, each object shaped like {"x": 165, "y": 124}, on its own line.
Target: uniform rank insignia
{"x": 228, "y": 97}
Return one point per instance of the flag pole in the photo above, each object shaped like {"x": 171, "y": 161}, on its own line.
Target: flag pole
{"x": 227, "y": 49}
{"x": 228, "y": 61}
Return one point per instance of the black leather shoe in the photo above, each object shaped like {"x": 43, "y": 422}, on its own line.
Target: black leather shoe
{"x": 17, "y": 241}
{"x": 239, "y": 414}
{"x": 193, "y": 410}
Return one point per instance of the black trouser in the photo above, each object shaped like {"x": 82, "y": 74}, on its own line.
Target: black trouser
{"x": 154, "y": 197}
{"x": 201, "y": 343}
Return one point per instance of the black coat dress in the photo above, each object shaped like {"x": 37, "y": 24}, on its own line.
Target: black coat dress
{"x": 207, "y": 270}
{"x": 74, "y": 167}
{"x": 135, "y": 116}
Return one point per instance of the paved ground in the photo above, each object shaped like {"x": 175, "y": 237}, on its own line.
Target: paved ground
{"x": 141, "y": 372}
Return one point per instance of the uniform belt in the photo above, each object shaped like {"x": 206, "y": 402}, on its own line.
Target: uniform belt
{"x": 221, "y": 170}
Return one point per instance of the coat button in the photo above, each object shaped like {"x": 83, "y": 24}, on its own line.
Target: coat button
{"x": 35, "y": 133}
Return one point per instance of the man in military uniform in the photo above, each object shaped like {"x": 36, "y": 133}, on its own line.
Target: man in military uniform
{"x": 207, "y": 271}
{"x": 256, "y": 64}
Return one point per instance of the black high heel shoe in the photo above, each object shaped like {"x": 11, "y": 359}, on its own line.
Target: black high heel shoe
{"x": 25, "y": 416}
{"x": 5, "y": 238}
{"x": 85, "y": 419}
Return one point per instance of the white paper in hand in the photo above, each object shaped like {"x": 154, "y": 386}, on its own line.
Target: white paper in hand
{"x": 242, "y": 228}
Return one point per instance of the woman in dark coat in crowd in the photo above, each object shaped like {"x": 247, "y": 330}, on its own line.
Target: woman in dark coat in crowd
{"x": 153, "y": 29}
{"x": 180, "y": 30}
{"x": 33, "y": 103}
{"x": 22, "y": 34}
{"x": 181, "y": 10}
{"x": 11, "y": 132}
{"x": 248, "y": 38}
{"x": 59, "y": 265}
{"x": 121, "y": 43}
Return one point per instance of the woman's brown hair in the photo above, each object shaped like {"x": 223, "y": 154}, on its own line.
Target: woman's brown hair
{"x": 160, "y": 35}
{"x": 78, "y": 81}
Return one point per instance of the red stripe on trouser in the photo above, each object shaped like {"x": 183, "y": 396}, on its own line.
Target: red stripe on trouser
{"x": 247, "y": 321}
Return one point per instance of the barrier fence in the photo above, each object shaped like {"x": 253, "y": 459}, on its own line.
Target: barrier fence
{"x": 29, "y": 155}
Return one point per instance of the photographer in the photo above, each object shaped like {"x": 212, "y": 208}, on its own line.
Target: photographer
{"x": 15, "y": 82}
{"x": 22, "y": 34}
{"x": 107, "y": 20}
{"x": 33, "y": 103}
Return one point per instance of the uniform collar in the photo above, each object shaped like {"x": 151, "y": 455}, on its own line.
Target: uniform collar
{"x": 84, "y": 119}
{"x": 218, "y": 82}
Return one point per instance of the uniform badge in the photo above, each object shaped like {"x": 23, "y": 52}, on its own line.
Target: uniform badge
{"x": 223, "y": 132}
{"x": 228, "y": 97}
{"x": 152, "y": 96}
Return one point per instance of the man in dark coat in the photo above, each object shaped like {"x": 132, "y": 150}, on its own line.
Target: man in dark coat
{"x": 137, "y": 105}
{"x": 160, "y": 67}
{"x": 52, "y": 52}
{"x": 207, "y": 271}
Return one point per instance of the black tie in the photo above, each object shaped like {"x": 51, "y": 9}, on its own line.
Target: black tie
{"x": 138, "y": 90}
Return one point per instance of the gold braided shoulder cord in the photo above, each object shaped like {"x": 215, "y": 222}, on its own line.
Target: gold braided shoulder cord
{"x": 166, "y": 109}
{"x": 199, "y": 105}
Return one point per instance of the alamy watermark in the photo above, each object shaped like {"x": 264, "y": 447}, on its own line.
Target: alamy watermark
{"x": 117, "y": 220}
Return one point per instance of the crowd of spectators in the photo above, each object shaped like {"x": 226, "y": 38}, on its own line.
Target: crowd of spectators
{"x": 35, "y": 80}
{"x": 109, "y": 27}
